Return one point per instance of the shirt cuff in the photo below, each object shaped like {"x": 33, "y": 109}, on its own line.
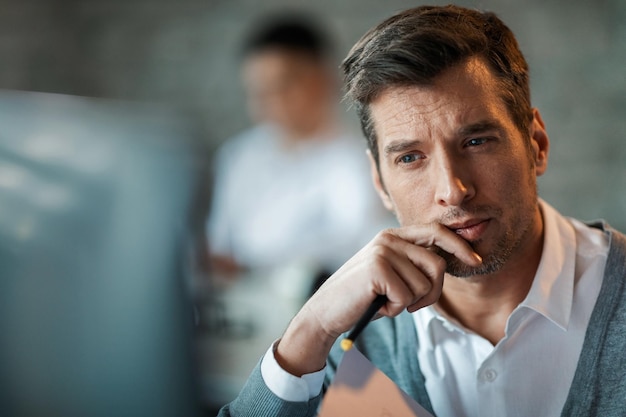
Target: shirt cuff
{"x": 288, "y": 387}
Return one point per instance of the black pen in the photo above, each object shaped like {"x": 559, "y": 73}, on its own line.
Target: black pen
{"x": 379, "y": 301}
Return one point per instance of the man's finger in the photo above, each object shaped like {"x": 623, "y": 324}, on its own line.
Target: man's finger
{"x": 439, "y": 236}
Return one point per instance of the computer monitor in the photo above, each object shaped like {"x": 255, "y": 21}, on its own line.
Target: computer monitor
{"x": 95, "y": 203}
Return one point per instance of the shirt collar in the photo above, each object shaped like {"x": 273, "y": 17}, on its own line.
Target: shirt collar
{"x": 552, "y": 291}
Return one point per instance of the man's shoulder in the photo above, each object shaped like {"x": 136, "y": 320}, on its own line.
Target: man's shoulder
{"x": 246, "y": 147}
{"x": 614, "y": 236}
{"x": 605, "y": 227}
{"x": 254, "y": 136}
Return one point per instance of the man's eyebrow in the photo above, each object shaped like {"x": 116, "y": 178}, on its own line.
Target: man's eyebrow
{"x": 480, "y": 127}
{"x": 468, "y": 130}
{"x": 400, "y": 146}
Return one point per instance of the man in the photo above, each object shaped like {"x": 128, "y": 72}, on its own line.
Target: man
{"x": 497, "y": 304}
{"x": 293, "y": 188}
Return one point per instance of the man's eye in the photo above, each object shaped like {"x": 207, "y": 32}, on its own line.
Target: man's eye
{"x": 476, "y": 141}
{"x": 407, "y": 159}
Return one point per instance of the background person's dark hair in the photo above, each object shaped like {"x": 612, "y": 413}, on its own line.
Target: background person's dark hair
{"x": 414, "y": 46}
{"x": 291, "y": 32}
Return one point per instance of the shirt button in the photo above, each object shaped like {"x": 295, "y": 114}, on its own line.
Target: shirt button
{"x": 489, "y": 375}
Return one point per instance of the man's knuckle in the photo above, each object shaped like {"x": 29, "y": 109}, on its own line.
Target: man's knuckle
{"x": 385, "y": 236}
{"x": 440, "y": 265}
{"x": 380, "y": 253}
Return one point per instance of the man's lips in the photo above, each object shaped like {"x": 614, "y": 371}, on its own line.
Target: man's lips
{"x": 470, "y": 230}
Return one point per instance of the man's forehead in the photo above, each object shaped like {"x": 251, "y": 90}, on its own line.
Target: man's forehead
{"x": 464, "y": 94}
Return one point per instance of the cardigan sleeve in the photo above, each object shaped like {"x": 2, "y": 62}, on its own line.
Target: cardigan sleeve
{"x": 256, "y": 400}
{"x": 389, "y": 343}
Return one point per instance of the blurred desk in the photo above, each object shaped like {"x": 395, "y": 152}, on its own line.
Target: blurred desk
{"x": 239, "y": 318}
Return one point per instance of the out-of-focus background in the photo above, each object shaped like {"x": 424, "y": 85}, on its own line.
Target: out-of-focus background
{"x": 96, "y": 209}
{"x": 178, "y": 62}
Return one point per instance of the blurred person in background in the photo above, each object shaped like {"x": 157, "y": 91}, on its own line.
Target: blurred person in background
{"x": 293, "y": 188}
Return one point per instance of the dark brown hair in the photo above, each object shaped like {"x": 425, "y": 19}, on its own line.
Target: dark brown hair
{"x": 413, "y": 47}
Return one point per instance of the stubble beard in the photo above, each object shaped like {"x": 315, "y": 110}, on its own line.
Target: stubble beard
{"x": 492, "y": 262}
{"x": 497, "y": 257}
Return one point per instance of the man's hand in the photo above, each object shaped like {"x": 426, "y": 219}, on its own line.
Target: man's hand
{"x": 398, "y": 263}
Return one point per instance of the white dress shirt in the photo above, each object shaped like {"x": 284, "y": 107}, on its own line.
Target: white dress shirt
{"x": 529, "y": 371}
{"x": 466, "y": 375}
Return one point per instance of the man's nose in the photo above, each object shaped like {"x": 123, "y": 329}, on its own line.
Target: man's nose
{"x": 453, "y": 181}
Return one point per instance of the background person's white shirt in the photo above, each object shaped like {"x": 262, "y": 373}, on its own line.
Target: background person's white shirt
{"x": 529, "y": 372}
{"x": 311, "y": 201}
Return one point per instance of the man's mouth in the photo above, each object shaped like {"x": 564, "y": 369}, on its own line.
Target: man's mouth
{"x": 470, "y": 230}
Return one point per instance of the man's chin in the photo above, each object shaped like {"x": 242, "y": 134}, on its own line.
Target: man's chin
{"x": 459, "y": 269}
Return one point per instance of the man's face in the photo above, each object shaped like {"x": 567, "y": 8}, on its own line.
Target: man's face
{"x": 286, "y": 88}
{"x": 450, "y": 153}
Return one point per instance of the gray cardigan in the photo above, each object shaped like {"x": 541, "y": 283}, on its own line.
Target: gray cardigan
{"x": 598, "y": 388}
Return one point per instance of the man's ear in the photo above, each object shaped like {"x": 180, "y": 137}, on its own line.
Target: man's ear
{"x": 378, "y": 183}
{"x": 539, "y": 143}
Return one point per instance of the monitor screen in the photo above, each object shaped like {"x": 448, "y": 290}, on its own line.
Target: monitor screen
{"x": 95, "y": 203}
